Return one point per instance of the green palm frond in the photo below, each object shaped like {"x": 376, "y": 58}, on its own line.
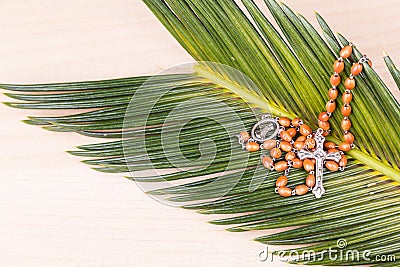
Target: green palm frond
{"x": 291, "y": 71}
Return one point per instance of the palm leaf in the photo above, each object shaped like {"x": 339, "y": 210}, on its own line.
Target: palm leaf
{"x": 292, "y": 73}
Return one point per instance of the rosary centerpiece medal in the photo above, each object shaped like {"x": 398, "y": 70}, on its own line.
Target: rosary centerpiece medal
{"x": 293, "y": 144}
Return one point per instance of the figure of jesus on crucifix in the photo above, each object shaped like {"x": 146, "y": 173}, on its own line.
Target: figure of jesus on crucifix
{"x": 320, "y": 157}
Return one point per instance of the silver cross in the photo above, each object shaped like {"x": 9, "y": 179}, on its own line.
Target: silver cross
{"x": 320, "y": 155}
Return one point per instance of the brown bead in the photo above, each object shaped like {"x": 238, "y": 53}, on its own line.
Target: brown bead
{"x": 356, "y": 69}
{"x": 344, "y": 147}
{"x": 338, "y": 66}
{"x": 346, "y": 110}
{"x": 324, "y": 125}
{"x": 325, "y": 133}
{"x": 335, "y": 80}
{"x": 285, "y": 146}
{"x": 301, "y": 138}
{"x": 310, "y": 180}
{"x": 267, "y": 162}
{"x": 308, "y": 165}
{"x": 333, "y": 93}
{"x": 285, "y": 136}
{"x": 305, "y": 130}
{"x": 348, "y": 138}
{"x": 301, "y": 190}
{"x": 276, "y": 153}
{"x": 297, "y": 163}
{"x": 310, "y": 143}
{"x": 330, "y": 106}
{"x": 285, "y": 192}
{"x": 314, "y": 161}
{"x": 252, "y": 146}
{"x": 296, "y": 122}
{"x": 281, "y": 181}
{"x": 281, "y": 166}
{"x": 269, "y": 144}
{"x": 343, "y": 161}
{"x": 347, "y": 97}
{"x": 333, "y": 150}
{"x": 329, "y": 145}
{"x": 346, "y": 51}
{"x": 298, "y": 145}
{"x": 292, "y": 132}
{"x": 290, "y": 156}
{"x": 245, "y": 136}
{"x": 346, "y": 124}
{"x": 332, "y": 166}
{"x": 350, "y": 83}
{"x": 370, "y": 63}
{"x": 285, "y": 122}
{"x": 324, "y": 116}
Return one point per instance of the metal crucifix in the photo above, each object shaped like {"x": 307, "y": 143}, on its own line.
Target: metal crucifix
{"x": 320, "y": 157}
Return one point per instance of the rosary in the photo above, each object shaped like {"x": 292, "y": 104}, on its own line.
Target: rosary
{"x": 303, "y": 147}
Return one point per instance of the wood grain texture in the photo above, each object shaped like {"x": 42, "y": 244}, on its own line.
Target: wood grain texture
{"x": 55, "y": 211}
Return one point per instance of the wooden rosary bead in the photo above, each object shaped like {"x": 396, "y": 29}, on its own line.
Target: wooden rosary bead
{"x": 346, "y": 51}
{"x": 276, "y": 153}
{"x": 326, "y": 133}
{"x": 305, "y": 130}
{"x": 269, "y": 144}
{"x": 335, "y": 79}
{"x": 329, "y": 145}
{"x": 343, "y": 161}
{"x": 285, "y": 192}
{"x": 370, "y": 63}
{"x": 310, "y": 143}
{"x": 324, "y": 125}
{"x": 296, "y": 122}
{"x": 301, "y": 138}
{"x": 333, "y": 150}
{"x": 356, "y": 69}
{"x": 346, "y": 124}
{"x": 267, "y": 162}
{"x": 347, "y": 97}
{"x": 281, "y": 166}
{"x": 285, "y": 146}
{"x": 298, "y": 145}
{"x": 333, "y": 93}
{"x": 301, "y": 190}
{"x": 346, "y": 110}
{"x": 350, "y": 83}
{"x": 281, "y": 181}
{"x": 292, "y": 132}
{"x": 310, "y": 180}
{"x": 324, "y": 116}
{"x": 348, "y": 138}
{"x": 252, "y": 146}
{"x": 297, "y": 163}
{"x": 245, "y": 136}
{"x": 285, "y": 122}
{"x": 285, "y": 136}
{"x": 290, "y": 156}
{"x": 308, "y": 165}
{"x": 332, "y": 166}
{"x": 338, "y": 66}
{"x": 330, "y": 106}
{"x": 344, "y": 147}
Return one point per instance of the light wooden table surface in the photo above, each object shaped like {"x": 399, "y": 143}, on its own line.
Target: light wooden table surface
{"x": 55, "y": 211}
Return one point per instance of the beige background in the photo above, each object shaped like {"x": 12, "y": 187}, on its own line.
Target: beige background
{"x": 55, "y": 211}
